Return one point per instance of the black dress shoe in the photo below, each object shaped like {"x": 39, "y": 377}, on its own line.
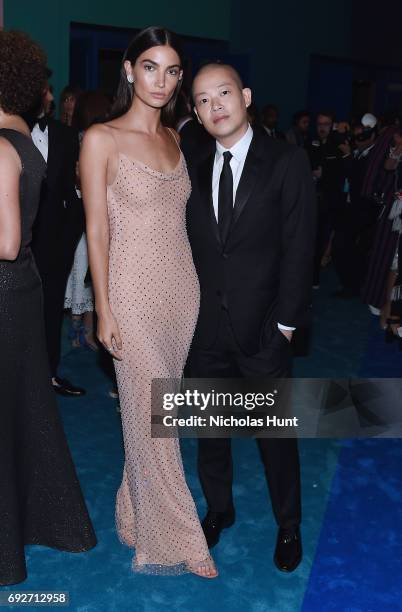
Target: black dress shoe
{"x": 213, "y": 524}
{"x": 62, "y": 386}
{"x": 288, "y": 551}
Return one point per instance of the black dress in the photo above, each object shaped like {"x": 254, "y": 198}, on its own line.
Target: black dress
{"x": 40, "y": 497}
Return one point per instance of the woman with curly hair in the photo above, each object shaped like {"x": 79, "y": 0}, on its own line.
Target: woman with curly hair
{"x": 40, "y": 497}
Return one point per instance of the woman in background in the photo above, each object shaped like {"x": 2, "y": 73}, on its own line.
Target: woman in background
{"x": 92, "y": 107}
{"x": 68, "y": 100}
{"x": 40, "y": 497}
{"x": 135, "y": 188}
{"x": 393, "y": 164}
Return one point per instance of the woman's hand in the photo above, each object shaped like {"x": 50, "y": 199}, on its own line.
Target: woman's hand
{"x": 109, "y": 335}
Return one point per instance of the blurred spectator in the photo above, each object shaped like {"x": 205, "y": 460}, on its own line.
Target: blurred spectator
{"x": 355, "y": 227}
{"x": 393, "y": 163}
{"x": 299, "y": 132}
{"x": 269, "y": 120}
{"x": 379, "y": 183}
{"x": 68, "y": 100}
{"x": 327, "y": 165}
{"x": 91, "y": 107}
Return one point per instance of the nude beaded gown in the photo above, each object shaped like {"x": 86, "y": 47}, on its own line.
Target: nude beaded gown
{"x": 154, "y": 295}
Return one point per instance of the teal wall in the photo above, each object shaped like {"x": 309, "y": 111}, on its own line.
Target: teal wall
{"x": 278, "y": 35}
{"x": 48, "y": 21}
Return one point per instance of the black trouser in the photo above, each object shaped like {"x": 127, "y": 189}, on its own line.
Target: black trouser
{"x": 352, "y": 243}
{"x": 279, "y": 456}
{"x": 54, "y": 264}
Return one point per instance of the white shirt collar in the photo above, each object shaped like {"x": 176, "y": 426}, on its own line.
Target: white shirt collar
{"x": 36, "y": 128}
{"x": 240, "y": 149}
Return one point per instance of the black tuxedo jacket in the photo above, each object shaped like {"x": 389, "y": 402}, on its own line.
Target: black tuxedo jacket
{"x": 263, "y": 274}
{"x": 60, "y": 217}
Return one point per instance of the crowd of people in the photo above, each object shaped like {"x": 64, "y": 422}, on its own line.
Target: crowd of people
{"x": 174, "y": 278}
{"x": 356, "y": 167}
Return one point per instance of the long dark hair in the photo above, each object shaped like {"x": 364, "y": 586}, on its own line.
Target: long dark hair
{"x": 91, "y": 107}
{"x": 150, "y": 37}
{"x": 69, "y": 90}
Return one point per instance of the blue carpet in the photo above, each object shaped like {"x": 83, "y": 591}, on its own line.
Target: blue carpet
{"x": 340, "y": 334}
{"x": 102, "y": 579}
{"x": 381, "y": 360}
{"x": 356, "y": 567}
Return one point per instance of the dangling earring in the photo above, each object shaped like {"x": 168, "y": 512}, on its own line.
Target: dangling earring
{"x": 130, "y": 78}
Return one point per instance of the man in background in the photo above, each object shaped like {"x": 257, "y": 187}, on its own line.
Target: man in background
{"x": 269, "y": 120}
{"x": 299, "y": 132}
{"x": 58, "y": 226}
{"x": 355, "y": 228}
{"x": 326, "y": 158}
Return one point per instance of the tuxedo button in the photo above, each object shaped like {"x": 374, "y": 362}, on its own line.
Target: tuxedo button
{"x": 225, "y": 255}
{"x": 219, "y": 293}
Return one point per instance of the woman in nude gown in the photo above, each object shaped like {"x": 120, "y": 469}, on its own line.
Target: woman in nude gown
{"x": 135, "y": 188}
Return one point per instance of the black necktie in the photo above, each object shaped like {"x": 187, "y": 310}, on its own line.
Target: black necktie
{"x": 42, "y": 123}
{"x": 225, "y": 198}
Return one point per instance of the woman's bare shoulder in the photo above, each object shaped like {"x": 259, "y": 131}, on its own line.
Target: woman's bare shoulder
{"x": 99, "y": 135}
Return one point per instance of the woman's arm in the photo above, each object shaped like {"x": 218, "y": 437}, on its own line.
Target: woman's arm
{"x": 10, "y": 215}
{"x": 95, "y": 153}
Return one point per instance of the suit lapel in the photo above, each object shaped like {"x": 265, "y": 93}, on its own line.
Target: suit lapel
{"x": 250, "y": 174}
{"x": 205, "y": 186}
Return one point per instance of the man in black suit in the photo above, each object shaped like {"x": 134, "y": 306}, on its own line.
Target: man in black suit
{"x": 326, "y": 159}
{"x": 251, "y": 224}
{"x": 358, "y": 218}
{"x": 269, "y": 121}
{"x": 57, "y": 229}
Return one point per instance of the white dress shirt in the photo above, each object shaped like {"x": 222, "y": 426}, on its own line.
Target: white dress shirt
{"x": 239, "y": 153}
{"x": 41, "y": 140}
